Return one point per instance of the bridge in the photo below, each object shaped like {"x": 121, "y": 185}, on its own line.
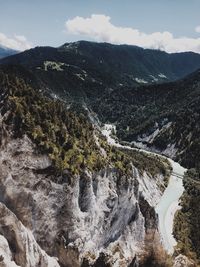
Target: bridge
{"x": 177, "y": 175}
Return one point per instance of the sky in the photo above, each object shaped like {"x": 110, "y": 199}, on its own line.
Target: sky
{"x": 169, "y": 25}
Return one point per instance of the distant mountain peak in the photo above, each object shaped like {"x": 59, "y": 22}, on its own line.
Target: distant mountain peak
{"x": 5, "y": 51}
{"x": 109, "y": 64}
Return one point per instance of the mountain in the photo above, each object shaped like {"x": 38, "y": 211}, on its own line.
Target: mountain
{"x": 98, "y": 76}
{"x": 162, "y": 117}
{"x": 5, "y": 52}
{"x": 86, "y": 69}
{"x": 68, "y": 198}
{"x": 98, "y": 201}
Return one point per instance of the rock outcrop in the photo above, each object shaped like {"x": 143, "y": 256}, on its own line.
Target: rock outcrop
{"x": 183, "y": 261}
{"x": 18, "y": 246}
{"x": 75, "y": 219}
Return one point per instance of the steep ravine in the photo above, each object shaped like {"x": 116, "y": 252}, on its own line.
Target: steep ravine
{"x": 81, "y": 199}
{"x": 74, "y": 220}
{"x": 67, "y": 198}
{"x": 169, "y": 202}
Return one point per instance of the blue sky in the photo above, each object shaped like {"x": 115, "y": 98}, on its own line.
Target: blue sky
{"x": 43, "y": 22}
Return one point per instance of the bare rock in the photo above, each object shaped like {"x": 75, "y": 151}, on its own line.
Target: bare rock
{"x": 71, "y": 220}
{"x": 183, "y": 261}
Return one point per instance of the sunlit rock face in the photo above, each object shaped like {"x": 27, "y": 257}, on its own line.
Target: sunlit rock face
{"x": 75, "y": 219}
{"x": 182, "y": 260}
{"x": 17, "y": 244}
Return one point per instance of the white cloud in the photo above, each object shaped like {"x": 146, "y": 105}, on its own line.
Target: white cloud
{"x": 17, "y": 42}
{"x": 197, "y": 29}
{"x": 100, "y": 28}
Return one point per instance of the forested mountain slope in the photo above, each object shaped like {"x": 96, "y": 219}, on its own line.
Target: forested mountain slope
{"x": 158, "y": 116}
{"x": 67, "y": 197}
{"x": 46, "y": 96}
{"x": 85, "y": 69}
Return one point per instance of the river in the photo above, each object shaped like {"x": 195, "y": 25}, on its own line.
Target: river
{"x": 169, "y": 202}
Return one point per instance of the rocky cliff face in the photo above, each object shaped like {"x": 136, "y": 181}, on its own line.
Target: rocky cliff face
{"x": 18, "y": 246}
{"x": 67, "y": 198}
{"x": 74, "y": 220}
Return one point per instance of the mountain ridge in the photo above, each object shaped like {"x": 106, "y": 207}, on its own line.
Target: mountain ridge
{"x": 124, "y": 63}
{"x": 90, "y": 73}
{"x": 5, "y": 52}
{"x": 50, "y": 98}
{"x": 62, "y": 173}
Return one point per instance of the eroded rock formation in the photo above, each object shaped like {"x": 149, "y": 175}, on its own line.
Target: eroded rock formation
{"x": 75, "y": 219}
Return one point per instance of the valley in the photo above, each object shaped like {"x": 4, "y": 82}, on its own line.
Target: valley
{"x": 169, "y": 202}
{"x": 99, "y": 157}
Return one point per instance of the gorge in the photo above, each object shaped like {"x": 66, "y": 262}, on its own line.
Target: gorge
{"x": 75, "y": 188}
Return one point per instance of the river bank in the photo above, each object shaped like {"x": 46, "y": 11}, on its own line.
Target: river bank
{"x": 169, "y": 202}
